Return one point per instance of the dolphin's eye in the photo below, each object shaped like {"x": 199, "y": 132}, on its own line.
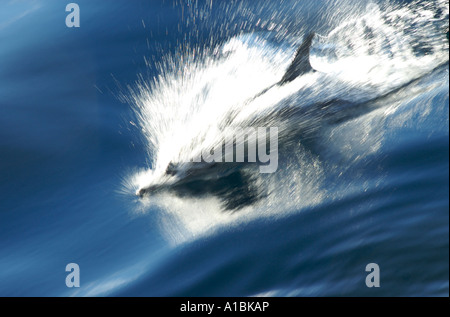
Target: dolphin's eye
{"x": 171, "y": 169}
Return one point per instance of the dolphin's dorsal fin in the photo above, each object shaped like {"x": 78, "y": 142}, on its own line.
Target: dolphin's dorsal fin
{"x": 300, "y": 65}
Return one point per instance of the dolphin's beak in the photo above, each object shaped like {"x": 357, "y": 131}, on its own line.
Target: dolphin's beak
{"x": 141, "y": 192}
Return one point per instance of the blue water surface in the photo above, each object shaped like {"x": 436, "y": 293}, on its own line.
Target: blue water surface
{"x": 66, "y": 144}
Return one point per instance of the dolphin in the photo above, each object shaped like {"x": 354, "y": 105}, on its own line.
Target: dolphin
{"x": 300, "y": 65}
{"x": 233, "y": 183}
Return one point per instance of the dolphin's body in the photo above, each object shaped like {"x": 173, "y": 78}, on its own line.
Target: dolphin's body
{"x": 229, "y": 181}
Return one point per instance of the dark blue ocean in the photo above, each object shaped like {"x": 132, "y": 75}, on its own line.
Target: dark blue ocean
{"x": 90, "y": 114}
